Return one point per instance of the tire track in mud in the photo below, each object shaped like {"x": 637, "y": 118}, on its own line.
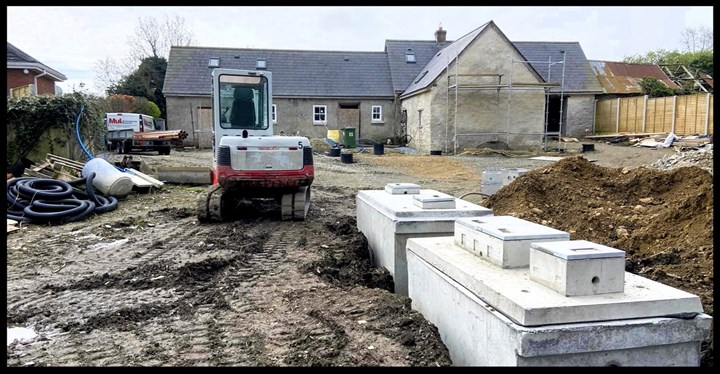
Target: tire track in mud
{"x": 223, "y": 339}
{"x": 194, "y": 289}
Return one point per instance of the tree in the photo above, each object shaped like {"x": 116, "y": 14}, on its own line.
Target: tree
{"x": 146, "y": 81}
{"x": 151, "y": 38}
{"x": 698, "y": 39}
{"x": 145, "y": 106}
{"x": 655, "y": 88}
{"x": 702, "y": 61}
{"x": 154, "y": 39}
{"x": 121, "y": 103}
{"x": 109, "y": 71}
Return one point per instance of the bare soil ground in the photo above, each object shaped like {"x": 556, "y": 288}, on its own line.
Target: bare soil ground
{"x": 147, "y": 285}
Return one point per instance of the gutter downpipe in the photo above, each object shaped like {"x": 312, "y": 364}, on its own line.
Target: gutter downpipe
{"x": 44, "y": 73}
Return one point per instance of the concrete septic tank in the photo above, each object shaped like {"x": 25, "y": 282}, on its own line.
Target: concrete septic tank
{"x": 577, "y": 267}
{"x": 388, "y": 218}
{"x": 490, "y": 316}
{"x": 503, "y": 240}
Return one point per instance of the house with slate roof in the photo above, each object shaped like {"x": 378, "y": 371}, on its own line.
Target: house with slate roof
{"x": 26, "y": 75}
{"x": 409, "y": 88}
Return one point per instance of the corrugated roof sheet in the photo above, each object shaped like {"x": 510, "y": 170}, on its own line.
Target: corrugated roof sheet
{"x": 295, "y": 72}
{"x": 706, "y": 78}
{"x": 624, "y": 78}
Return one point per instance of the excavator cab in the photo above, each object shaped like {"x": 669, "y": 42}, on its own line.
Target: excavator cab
{"x": 250, "y": 162}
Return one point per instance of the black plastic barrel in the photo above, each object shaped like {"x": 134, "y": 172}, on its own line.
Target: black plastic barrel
{"x": 346, "y": 158}
{"x": 588, "y": 147}
{"x": 378, "y": 149}
{"x": 334, "y": 152}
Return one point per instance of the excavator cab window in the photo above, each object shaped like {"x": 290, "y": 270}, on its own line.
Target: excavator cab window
{"x": 243, "y": 102}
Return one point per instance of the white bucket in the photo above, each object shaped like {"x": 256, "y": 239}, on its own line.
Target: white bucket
{"x": 108, "y": 179}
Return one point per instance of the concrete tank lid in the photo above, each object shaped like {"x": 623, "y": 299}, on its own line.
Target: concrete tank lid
{"x": 577, "y": 250}
{"x": 511, "y": 228}
{"x": 402, "y": 208}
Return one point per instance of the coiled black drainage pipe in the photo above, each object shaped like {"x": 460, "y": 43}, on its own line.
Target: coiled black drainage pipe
{"x": 44, "y": 200}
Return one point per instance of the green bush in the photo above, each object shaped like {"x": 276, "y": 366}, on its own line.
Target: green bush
{"x": 655, "y": 88}
{"x": 33, "y": 120}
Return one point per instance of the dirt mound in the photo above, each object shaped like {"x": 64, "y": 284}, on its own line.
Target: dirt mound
{"x": 662, "y": 219}
{"x": 346, "y": 262}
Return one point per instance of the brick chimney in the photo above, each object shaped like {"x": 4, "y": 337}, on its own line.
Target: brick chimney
{"x": 440, "y": 35}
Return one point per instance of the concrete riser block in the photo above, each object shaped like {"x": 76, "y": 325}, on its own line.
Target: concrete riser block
{"x": 507, "y": 254}
{"x": 577, "y": 277}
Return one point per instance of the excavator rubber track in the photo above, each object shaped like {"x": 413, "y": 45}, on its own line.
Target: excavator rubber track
{"x": 209, "y": 205}
{"x": 293, "y": 206}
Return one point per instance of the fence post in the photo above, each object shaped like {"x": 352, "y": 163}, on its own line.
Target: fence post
{"x": 617, "y": 118}
{"x": 707, "y": 112}
{"x": 672, "y": 129}
{"x": 644, "y": 112}
{"x": 594, "y": 116}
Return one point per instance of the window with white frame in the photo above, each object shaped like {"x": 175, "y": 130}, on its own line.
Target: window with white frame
{"x": 377, "y": 114}
{"x": 274, "y": 113}
{"x": 319, "y": 114}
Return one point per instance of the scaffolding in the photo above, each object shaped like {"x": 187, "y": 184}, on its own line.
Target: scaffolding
{"x": 510, "y": 86}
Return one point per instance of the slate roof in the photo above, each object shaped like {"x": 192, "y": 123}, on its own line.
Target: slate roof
{"x": 308, "y": 73}
{"x": 579, "y": 76}
{"x": 17, "y": 59}
{"x": 624, "y": 78}
{"x": 401, "y": 71}
{"x": 295, "y": 72}
{"x": 438, "y": 62}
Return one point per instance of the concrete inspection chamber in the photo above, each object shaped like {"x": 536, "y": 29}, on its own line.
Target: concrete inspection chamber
{"x": 571, "y": 304}
{"x": 390, "y": 216}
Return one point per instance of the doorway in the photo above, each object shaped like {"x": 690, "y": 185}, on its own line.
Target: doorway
{"x": 349, "y": 116}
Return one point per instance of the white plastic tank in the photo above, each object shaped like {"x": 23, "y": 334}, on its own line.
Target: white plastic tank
{"x": 108, "y": 179}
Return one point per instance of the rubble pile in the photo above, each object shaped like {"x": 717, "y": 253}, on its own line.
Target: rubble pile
{"x": 700, "y": 158}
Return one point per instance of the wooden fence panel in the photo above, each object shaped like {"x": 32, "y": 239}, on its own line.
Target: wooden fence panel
{"x": 681, "y": 115}
{"x": 659, "y": 114}
{"x": 710, "y": 115}
{"x": 691, "y": 114}
{"x": 605, "y": 115}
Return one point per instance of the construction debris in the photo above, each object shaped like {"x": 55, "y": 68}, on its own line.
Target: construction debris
{"x": 12, "y": 225}
{"x": 701, "y": 158}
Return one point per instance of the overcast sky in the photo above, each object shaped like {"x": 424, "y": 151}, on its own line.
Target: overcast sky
{"x": 72, "y": 40}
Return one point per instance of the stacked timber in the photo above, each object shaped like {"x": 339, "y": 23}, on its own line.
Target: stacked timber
{"x": 161, "y": 135}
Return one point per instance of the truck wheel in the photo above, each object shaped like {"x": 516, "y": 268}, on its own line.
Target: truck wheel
{"x": 164, "y": 151}
{"x": 127, "y": 147}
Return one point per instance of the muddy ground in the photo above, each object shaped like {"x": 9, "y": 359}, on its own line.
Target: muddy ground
{"x": 147, "y": 285}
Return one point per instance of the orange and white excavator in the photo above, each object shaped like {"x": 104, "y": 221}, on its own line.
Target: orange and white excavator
{"x": 249, "y": 161}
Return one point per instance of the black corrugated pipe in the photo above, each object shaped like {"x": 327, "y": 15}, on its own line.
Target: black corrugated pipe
{"x": 45, "y": 200}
